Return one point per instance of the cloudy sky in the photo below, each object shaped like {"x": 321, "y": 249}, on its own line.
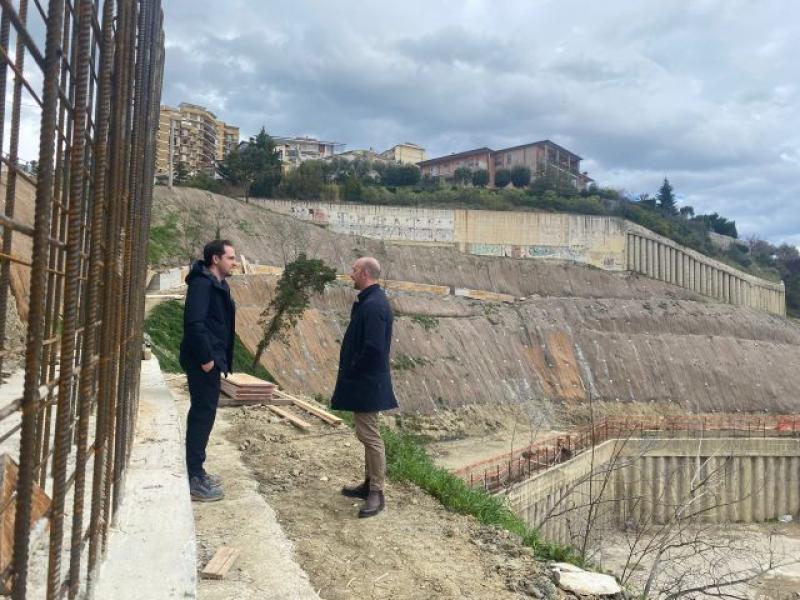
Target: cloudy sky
{"x": 702, "y": 92}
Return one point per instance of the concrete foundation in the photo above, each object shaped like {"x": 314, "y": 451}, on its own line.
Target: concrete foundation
{"x": 642, "y": 482}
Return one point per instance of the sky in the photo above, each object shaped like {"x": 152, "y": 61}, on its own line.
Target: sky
{"x": 704, "y": 92}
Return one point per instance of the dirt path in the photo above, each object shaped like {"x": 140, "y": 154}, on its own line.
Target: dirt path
{"x": 266, "y": 568}
{"x": 414, "y": 550}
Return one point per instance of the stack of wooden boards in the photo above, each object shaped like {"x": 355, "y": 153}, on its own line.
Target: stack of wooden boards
{"x": 243, "y": 389}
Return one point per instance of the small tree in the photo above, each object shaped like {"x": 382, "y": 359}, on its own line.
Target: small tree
{"x": 400, "y": 175}
{"x": 666, "y": 198}
{"x": 687, "y": 212}
{"x": 300, "y": 279}
{"x": 256, "y": 166}
{"x": 305, "y": 181}
{"x": 502, "y": 177}
{"x": 520, "y": 176}
{"x": 480, "y": 178}
{"x": 462, "y": 175}
{"x": 181, "y": 174}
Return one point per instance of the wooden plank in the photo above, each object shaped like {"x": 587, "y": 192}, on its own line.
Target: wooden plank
{"x": 246, "y": 379}
{"x": 314, "y": 410}
{"x": 220, "y": 563}
{"x": 296, "y": 421}
{"x": 9, "y": 472}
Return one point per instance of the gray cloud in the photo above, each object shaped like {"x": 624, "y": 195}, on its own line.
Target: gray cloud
{"x": 704, "y": 93}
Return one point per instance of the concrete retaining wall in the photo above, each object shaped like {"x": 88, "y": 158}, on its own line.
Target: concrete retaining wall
{"x": 635, "y": 483}
{"x": 608, "y": 243}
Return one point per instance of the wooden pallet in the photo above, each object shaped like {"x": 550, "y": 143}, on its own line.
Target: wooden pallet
{"x": 243, "y": 389}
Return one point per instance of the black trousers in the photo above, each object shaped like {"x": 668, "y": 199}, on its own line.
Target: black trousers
{"x": 204, "y": 394}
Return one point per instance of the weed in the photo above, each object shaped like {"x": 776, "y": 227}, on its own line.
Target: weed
{"x": 426, "y": 322}
{"x": 404, "y": 362}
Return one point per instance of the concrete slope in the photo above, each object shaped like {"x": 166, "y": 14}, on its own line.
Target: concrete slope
{"x": 548, "y": 352}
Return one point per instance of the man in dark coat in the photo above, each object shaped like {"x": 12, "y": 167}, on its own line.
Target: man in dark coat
{"x": 209, "y": 316}
{"x": 364, "y": 383}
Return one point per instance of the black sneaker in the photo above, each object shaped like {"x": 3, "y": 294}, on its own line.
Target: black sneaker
{"x": 201, "y": 491}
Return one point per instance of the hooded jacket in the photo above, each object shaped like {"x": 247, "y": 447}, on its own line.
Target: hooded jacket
{"x": 209, "y": 318}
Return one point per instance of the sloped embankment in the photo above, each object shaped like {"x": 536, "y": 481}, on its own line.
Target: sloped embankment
{"x": 581, "y": 331}
{"x": 546, "y": 352}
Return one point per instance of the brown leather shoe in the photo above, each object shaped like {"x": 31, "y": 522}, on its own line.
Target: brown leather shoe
{"x": 357, "y": 491}
{"x": 373, "y": 506}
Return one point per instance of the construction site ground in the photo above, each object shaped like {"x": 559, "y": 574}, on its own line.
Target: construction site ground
{"x": 415, "y": 549}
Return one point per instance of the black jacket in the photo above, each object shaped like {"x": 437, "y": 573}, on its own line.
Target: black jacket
{"x": 209, "y": 317}
{"x": 364, "y": 383}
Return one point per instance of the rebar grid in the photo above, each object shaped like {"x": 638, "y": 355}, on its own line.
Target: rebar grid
{"x": 90, "y": 71}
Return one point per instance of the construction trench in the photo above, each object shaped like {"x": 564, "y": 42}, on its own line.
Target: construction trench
{"x": 645, "y": 480}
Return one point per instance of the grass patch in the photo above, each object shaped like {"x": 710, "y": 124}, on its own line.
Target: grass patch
{"x": 164, "y": 325}
{"x": 404, "y": 362}
{"x": 406, "y": 460}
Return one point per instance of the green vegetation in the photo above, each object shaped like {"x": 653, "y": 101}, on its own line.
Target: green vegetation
{"x": 255, "y": 167}
{"x": 426, "y": 322}
{"x": 301, "y": 278}
{"x": 406, "y": 460}
{"x": 163, "y": 241}
{"x": 404, "y": 362}
{"x": 164, "y": 326}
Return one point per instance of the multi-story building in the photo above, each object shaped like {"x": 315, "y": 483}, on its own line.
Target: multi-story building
{"x": 294, "y": 150}
{"x": 445, "y": 167}
{"x": 198, "y": 140}
{"x": 406, "y": 153}
{"x": 544, "y": 159}
{"x": 227, "y": 139}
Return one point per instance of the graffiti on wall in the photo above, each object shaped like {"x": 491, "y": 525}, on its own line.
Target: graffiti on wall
{"x": 572, "y": 252}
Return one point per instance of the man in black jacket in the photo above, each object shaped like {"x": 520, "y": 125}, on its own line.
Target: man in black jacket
{"x": 364, "y": 383}
{"x": 209, "y": 316}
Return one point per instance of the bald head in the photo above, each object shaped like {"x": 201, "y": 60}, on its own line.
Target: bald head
{"x": 365, "y": 272}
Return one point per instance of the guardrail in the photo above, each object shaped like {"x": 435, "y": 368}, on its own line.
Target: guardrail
{"x": 495, "y": 473}
{"x": 93, "y": 81}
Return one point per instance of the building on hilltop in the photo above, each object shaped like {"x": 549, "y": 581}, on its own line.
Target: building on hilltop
{"x": 294, "y": 150}
{"x": 405, "y": 153}
{"x": 193, "y": 137}
{"x": 543, "y": 158}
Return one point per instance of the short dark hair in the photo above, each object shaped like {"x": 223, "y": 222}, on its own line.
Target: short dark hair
{"x": 214, "y": 248}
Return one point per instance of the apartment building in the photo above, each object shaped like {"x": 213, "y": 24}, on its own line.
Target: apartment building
{"x": 192, "y": 136}
{"x": 544, "y": 158}
{"x": 406, "y": 153}
{"x": 294, "y": 150}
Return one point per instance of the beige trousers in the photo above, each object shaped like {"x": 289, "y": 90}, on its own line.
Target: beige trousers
{"x": 368, "y": 434}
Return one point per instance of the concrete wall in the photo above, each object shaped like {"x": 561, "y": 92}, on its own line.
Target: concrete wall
{"x": 641, "y": 482}
{"x": 607, "y": 243}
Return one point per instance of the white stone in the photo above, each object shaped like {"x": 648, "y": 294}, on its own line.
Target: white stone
{"x": 585, "y": 583}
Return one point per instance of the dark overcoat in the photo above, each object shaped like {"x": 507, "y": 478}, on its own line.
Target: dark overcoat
{"x": 364, "y": 383}
{"x": 209, "y": 321}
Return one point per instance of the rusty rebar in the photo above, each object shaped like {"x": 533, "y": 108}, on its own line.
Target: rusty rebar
{"x": 99, "y": 107}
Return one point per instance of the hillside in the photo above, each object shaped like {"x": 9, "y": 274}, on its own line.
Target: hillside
{"x": 580, "y": 331}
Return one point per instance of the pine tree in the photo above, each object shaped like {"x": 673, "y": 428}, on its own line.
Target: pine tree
{"x": 666, "y": 198}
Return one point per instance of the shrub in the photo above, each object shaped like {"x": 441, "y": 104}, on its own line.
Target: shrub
{"x": 520, "y": 176}
{"x": 502, "y": 177}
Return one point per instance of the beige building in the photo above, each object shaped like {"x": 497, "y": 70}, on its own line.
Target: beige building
{"x": 198, "y": 140}
{"x": 294, "y": 150}
{"x": 544, "y": 159}
{"x": 406, "y": 153}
